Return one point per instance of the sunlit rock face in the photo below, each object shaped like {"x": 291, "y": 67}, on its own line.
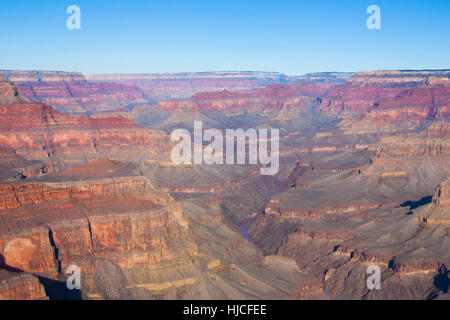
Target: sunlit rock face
{"x": 183, "y": 85}
{"x": 20, "y": 286}
{"x": 385, "y": 90}
{"x": 102, "y": 210}
{"x": 70, "y": 92}
{"x": 37, "y": 131}
{"x": 442, "y": 194}
{"x": 363, "y": 180}
{"x": 99, "y": 209}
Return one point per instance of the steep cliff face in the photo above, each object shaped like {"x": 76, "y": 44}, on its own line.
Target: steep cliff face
{"x": 42, "y": 76}
{"x": 442, "y": 194}
{"x": 231, "y": 109}
{"x": 271, "y": 98}
{"x": 336, "y": 219}
{"x": 364, "y": 90}
{"x": 93, "y": 210}
{"x": 20, "y": 286}
{"x": 428, "y": 101}
{"x": 184, "y": 85}
{"x": 431, "y": 143}
{"x": 106, "y": 178}
{"x": 437, "y": 213}
{"x": 70, "y": 92}
{"x": 350, "y": 192}
{"x": 131, "y": 233}
{"x": 6, "y": 89}
{"x": 37, "y": 131}
{"x": 104, "y": 210}
{"x": 335, "y": 243}
{"x": 12, "y": 166}
{"x": 320, "y": 77}
{"x": 15, "y": 195}
{"x": 28, "y": 249}
{"x": 9, "y": 94}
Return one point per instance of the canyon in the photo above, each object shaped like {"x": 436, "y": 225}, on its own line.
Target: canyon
{"x": 86, "y": 179}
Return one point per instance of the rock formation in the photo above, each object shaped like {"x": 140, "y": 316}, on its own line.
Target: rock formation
{"x": 20, "y": 286}
{"x": 37, "y": 131}
{"x": 183, "y": 85}
{"x": 437, "y": 213}
{"x": 363, "y": 180}
{"x": 70, "y": 92}
{"x": 364, "y": 90}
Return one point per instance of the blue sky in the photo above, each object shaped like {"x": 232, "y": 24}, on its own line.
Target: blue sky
{"x": 293, "y": 37}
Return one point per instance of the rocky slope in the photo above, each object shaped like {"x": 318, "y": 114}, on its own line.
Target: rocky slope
{"x": 70, "y": 92}
{"x": 20, "y": 286}
{"x": 97, "y": 212}
{"x": 338, "y": 218}
{"x": 51, "y": 226}
{"x": 363, "y": 180}
{"x": 364, "y": 90}
{"x": 278, "y": 104}
{"x": 104, "y": 212}
{"x": 183, "y": 85}
{"x": 36, "y": 131}
{"x": 437, "y": 213}
{"x": 113, "y": 219}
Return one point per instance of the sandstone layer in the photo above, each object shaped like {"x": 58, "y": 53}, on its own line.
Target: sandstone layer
{"x": 70, "y": 92}
{"x": 362, "y": 180}
{"x": 183, "y": 85}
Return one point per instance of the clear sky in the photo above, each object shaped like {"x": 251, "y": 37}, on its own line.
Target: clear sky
{"x": 293, "y": 37}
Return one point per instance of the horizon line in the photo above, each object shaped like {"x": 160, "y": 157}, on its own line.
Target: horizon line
{"x": 225, "y": 71}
